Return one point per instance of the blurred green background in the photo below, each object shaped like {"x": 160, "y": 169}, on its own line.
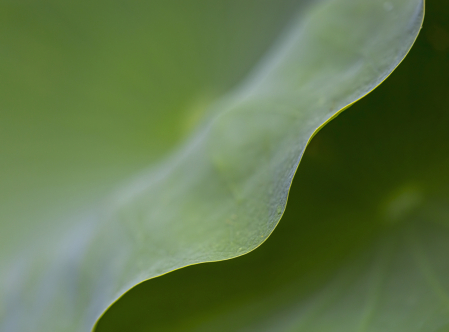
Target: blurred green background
{"x": 376, "y": 179}
{"x": 91, "y": 92}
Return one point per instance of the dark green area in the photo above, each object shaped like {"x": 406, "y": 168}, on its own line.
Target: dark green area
{"x": 348, "y": 191}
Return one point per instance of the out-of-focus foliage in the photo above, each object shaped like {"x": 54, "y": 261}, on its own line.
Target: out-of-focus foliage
{"x": 94, "y": 92}
{"x": 364, "y": 242}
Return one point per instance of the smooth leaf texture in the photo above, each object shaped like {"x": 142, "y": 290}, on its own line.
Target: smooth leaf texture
{"x": 363, "y": 244}
{"x": 223, "y": 190}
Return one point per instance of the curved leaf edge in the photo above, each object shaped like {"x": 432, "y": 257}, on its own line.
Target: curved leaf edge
{"x": 315, "y": 132}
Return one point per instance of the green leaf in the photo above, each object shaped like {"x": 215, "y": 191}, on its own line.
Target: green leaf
{"x": 95, "y": 92}
{"x": 363, "y": 244}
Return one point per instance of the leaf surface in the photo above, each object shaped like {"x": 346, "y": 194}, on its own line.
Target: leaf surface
{"x": 363, "y": 243}
{"x": 98, "y": 105}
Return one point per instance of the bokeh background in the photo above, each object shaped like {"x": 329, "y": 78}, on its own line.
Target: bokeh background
{"x": 93, "y": 92}
{"x": 373, "y": 170}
